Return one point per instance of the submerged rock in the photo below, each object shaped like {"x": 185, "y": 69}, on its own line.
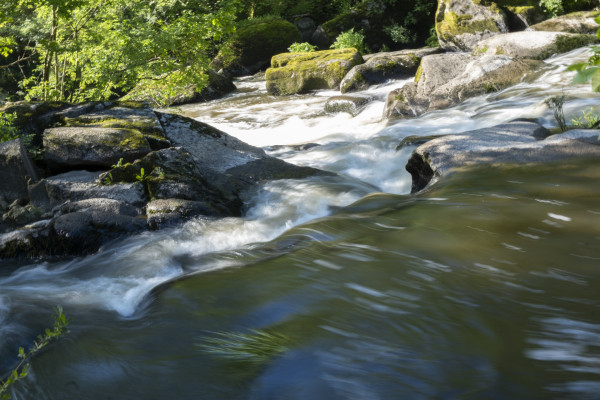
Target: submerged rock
{"x": 516, "y": 142}
{"x": 533, "y": 44}
{"x": 352, "y": 105}
{"x": 444, "y": 80}
{"x": 302, "y": 72}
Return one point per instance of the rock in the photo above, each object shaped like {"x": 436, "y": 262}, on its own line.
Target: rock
{"x": 19, "y": 215}
{"x": 167, "y": 212}
{"x": 352, "y": 105}
{"x": 536, "y": 45}
{"x": 582, "y": 22}
{"x": 307, "y": 27}
{"x": 320, "y": 38}
{"x": 103, "y": 205}
{"x": 383, "y": 67}
{"x": 71, "y": 147}
{"x": 444, "y": 80}
{"x": 230, "y": 165}
{"x": 156, "y": 91}
{"x": 16, "y": 170}
{"x": 523, "y": 16}
{"x": 515, "y": 142}
{"x": 253, "y": 46}
{"x": 130, "y": 115}
{"x": 82, "y": 185}
{"x": 460, "y": 24}
{"x": 302, "y": 72}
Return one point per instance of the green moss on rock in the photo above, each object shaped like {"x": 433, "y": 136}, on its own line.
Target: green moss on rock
{"x": 302, "y": 72}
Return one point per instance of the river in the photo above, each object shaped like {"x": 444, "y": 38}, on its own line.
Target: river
{"x": 483, "y": 287}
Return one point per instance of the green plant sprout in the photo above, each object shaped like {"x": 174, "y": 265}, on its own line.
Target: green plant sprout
{"x": 350, "y": 39}
{"x": 141, "y": 176}
{"x": 59, "y": 329}
{"x": 301, "y": 47}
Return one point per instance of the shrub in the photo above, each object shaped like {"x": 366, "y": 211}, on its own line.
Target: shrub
{"x": 301, "y": 47}
{"x": 7, "y": 129}
{"x": 350, "y": 39}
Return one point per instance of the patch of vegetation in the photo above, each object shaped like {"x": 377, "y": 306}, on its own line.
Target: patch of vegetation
{"x": 301, "y": 47}
{"x": 588, "y": 119}
{"x": 59, "y": 329}
{"x": 350, "y": 39}
{"x": 8, "y": 130}
{"x": 555, "y": 103}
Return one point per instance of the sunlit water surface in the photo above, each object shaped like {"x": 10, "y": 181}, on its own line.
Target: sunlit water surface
{"x": 484, "y": 287}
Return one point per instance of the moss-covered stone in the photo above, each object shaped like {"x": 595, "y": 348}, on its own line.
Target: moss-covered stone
{"x": 301, "y": 72}
{"x": 577, "y": 22}
{"x": 251, "y": 48}
{"x": 460, "y": 24}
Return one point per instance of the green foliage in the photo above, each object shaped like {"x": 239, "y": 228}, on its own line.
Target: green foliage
{"x": 589, "y": 71}
{"x": 141, "y": 176}
{"x": 553, "y": 8}
{"x": 118, "y": 164}
{"x": 108, "y": 179}
{"x": 588, "y": 119}
{"x": 556, "y": 104}
{"x": 301, "y": 47}
{"x": 97, "y": 49}
{"x": 7, "y": 129}
{"x": 256, "y": 347}
{"x": 432, "y": 40}
{"x": 59, "y": 329}
{"x": 400, "y": 34}
{"x": 350, "y": 39}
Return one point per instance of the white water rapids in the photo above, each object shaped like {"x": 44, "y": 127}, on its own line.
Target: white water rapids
{"x": 362, "y": 150}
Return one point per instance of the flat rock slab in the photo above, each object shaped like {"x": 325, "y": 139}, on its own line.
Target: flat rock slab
{"x": 577, "y": 22}
{"x": 536, "y": 45}
{"x": 515, "y": 142}
{"x": 92, "y": 146}
{"x": 82, "y": 185}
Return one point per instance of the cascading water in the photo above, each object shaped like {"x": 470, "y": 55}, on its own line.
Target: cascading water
{"x": 482, "y": 287}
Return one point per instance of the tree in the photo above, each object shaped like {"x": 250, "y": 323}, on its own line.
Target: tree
{"x": 95, "y": 49}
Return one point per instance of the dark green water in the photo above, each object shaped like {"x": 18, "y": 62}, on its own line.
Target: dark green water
{"x": 485, "y": 287}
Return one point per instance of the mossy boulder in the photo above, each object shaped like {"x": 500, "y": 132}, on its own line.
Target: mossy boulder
{"x": 447, "y": 79}
{"x": 162, "y": 93}
{"x": 383, "y": 67}
{"x": 302, "y": 72}
{"x": 460, "y": 24}
{"x": 536, "y": 45}
{"x": 16, "y": 171}
{"x": 251, "y": 48}
{"x": 578, "y": 22}
{"x": 71, "y": 147}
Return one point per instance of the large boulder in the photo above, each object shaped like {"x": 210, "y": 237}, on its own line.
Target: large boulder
{"x": 69, "y": 147}
{"x": 383, "y": 67}
{"x": 167, "y": 212}
{"x": 251, "y": 48}
{"x": 533, "y": 44}
{"x": 158, "y": 92}
{"x": 447, "y": 79}
{"x": 229, "y": 164}
{"x": 16, "y": 172}
{"x": 301, "y": 72}
{"x": 460, "y": 24}
{"x": 516, "y": 142}
{"x": 578, "y": 22}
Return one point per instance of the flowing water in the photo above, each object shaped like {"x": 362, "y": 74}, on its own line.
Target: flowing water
{"x": 484, "y": 287}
